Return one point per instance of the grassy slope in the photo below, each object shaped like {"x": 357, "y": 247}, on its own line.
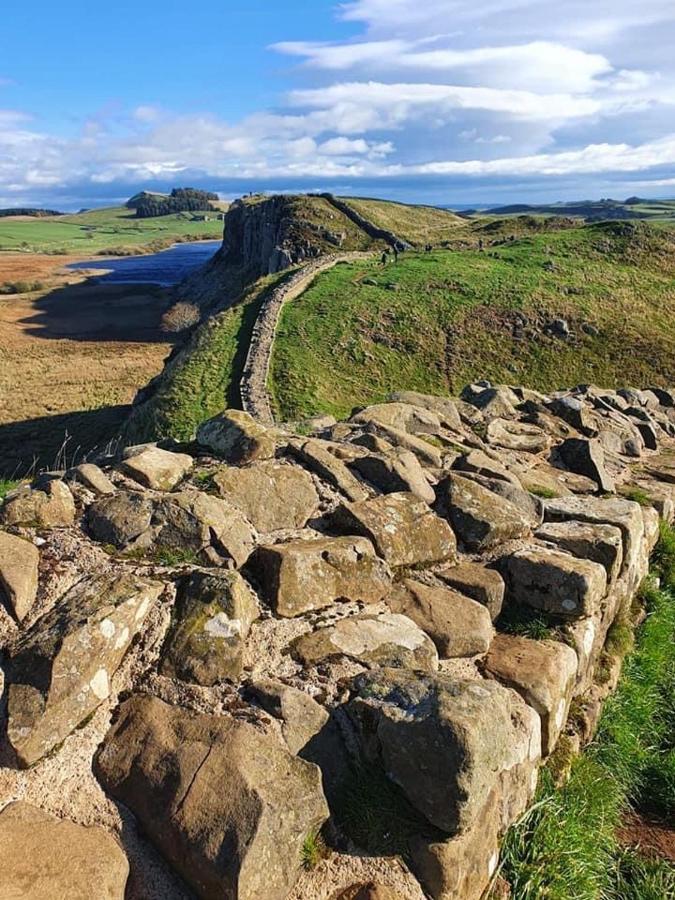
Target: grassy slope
{"x": 566, "y": 845}
{"x": 204, "y": 378}
{"x": 437, "y": 321}
{"x": 418, "y": 225}
{"x": 99, "y": 230}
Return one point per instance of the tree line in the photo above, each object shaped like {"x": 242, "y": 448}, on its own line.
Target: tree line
{"x": 179, "y": 200}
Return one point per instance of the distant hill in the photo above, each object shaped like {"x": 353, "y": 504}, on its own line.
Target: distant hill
{"x": 593, "y": 210}
{"x": 149, "y": 204}
{"x": 29, "y": 211}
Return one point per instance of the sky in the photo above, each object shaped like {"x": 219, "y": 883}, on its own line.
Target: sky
{"x": 448, "y": 102}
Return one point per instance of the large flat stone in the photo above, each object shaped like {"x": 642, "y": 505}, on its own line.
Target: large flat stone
{"x": 19, "y": 560}
{"x": 543, "y": 673}
{"x": 457, "y": 625}
{"x": 397, "y": 470}
{"x": 46, "y": 858}
{"x": 271, "y": 495}
{"x": 481, "y": 519}
{"x": 120, "y": 518}
{"x": 445, "y": 409}
{"x": 587, "y": 540}
{"x": 157, "y": 469}
{"x": 227, "y": 806}
{"x": 60, "y": 669}
{"x": 300, "y": 576}
{"x": 385, "y": 639}
{"x": 236, "y": 437}
{"x": 555, "y": 582}
{"x": 586, "y": 457}
{"x": 404, "y": 416}
{"x": 403, "y": 529}
{"x": 316, "y": 456}
{"x": 449, "y": 743}
{"x": 484, "y": 585}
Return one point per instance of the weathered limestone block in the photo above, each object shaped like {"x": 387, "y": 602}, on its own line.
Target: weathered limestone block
{"x": 624, "y": 514}
{"x": 449, "y": 743}
{"x": 587, "y": 540}
{"x": 120, "y": 518}
{"x": 271, "y": 495}
{"x": 424, "y": 450}
{"x": 212, "y": 617}
{"x": 44, "y": 858}
{"x": 457, "y": 625}
{"x": 543, "y": 673}
{"x": 555, "y": 582}
{"x": 478, "y": 463}
{"x": 499, "y": 401}
{"x": 320, "y": 460}
{"x": 157, "y": 469}
{"x": 461, "y": 867}
{"x": 236, "y": 437}
{"x": 93, "y": 478}
{"x": 527, "y": 504}
{"x": 48, "y": 503}
{"x": 403, "y": 529}
{"x": 587, "y": 458}
{"x": 228, "y": 806}
{"x": 398, "y": 470}
{"x": 404, "y": 416}
{"x": 484, "y": 585}
{"x": 19, "y": 560}
{"x": 445, "y": 409}
{"x": 481, "y": 519}
{"x": 385, "y": 639}
{"x": 514, "y": 435}
{"x": 301, "y": 716}
{"x": 304, "y": 575}
{"x": 60, "y": 669}
{"x": 194, "y": 521}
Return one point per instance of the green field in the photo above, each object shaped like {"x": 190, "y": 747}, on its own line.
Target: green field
{"x": 100, "y": 230}
{"x": 434, "y": 322}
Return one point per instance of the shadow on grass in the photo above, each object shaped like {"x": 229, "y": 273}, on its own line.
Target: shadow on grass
{"x": 57, "y": 441}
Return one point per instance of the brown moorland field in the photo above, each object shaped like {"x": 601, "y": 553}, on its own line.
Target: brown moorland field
{"x": 72, "y": 356}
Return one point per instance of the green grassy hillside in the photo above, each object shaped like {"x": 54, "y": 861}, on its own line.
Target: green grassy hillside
{"x": 436, "y": 321}
{"x": 419, "y": 225}
{"x": 99, "y": 230}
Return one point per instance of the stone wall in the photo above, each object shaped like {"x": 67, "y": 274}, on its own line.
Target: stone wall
{"x": 375, "y": 232}
{"x": 253, "y": 385}
{"x": 203, "y": 646}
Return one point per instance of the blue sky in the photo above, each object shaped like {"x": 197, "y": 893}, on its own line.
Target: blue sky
{"x": 444, "y": 101}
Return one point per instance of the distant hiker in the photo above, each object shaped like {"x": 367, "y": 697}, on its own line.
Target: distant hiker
{"x": 385, "y": 256}
{"x": 429, "y": 248}
{"x": 395, "y": 254}
{"x": 480, "y": 244}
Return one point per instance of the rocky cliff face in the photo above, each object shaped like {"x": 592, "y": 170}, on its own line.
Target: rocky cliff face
{"x": 270, "y": 610}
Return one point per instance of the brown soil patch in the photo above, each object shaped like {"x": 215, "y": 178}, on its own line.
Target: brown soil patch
{"x": 72, "y": 356}
{"x": 649, "y": 835}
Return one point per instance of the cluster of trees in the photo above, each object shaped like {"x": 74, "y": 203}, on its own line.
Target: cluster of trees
{"x": 179, "y": 200}
{"x": 30, "y": 211}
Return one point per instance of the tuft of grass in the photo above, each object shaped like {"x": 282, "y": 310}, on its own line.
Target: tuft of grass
{"x": 637, "y": 495}
{"x": 523, "y": 621}
{"x": 546, "y": 493}
{"x": 638, "y": 877}
{"x": 313, "y": 850}
{"x": 172, "y": 556}
{"x": 7, "y": 485}
{"x": 374, "y": 813}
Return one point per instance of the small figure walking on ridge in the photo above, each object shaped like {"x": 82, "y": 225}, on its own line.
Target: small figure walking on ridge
{"x": 395, "y": 254}
{"x": 385, "y": 257}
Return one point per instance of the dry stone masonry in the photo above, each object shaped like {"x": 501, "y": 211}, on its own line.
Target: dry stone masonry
{"x": 206, "y": 646}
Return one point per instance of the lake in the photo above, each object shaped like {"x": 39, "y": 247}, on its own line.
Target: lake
{"x": 165, "y": 269}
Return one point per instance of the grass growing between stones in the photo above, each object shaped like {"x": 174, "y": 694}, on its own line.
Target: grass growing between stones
{"x": 566, "y": 845}
{"x": 6, "y": 485}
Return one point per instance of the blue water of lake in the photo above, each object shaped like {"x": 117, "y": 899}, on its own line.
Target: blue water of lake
{"x": 165, "y": 269}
